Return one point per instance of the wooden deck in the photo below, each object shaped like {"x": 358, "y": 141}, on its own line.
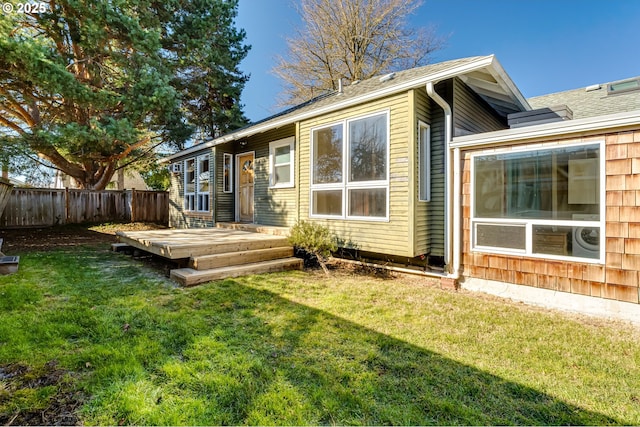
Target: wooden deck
{"x": 216, "y": 253}
{"x": 194, "y": 242}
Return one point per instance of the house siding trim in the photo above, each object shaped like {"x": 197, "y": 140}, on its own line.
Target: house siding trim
{"x": 591, "y": 125}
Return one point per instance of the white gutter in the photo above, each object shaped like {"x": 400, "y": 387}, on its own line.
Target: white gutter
{"x": 477, "y": 64}
{"x": 589, "y": 125}
{"x": 452, "y": 193}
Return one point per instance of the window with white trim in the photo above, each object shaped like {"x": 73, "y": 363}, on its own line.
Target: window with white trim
{"x": 281, "y": 163}
{"x": 190, "y": 185}
{"x": 350, "y": 169}
{"x": 196, "y": 184}
{"x": 424, "y": 162}
{"x": 544, "y": 203}
{"x": 227, "y": 178}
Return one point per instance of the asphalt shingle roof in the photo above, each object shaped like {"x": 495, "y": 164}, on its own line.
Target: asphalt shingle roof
{"x": 591, "y": 103}
{"x": 365, "y": 87}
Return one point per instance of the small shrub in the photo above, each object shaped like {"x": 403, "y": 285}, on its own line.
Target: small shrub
{"x": 315, "y": 239}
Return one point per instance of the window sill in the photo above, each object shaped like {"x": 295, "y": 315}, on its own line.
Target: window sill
{"x": 275, "y": 187}
{"x": 546, "y": 257}
{"x": 350, "y": 218}
{"x": 196, "y": 214}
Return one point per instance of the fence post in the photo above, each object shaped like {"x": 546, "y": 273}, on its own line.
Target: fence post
{"x": 66, "y": 205}
{"x": 133, "y": 205}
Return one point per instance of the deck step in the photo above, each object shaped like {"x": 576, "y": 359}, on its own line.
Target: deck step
{"x": 237, "y": 246}
{"x": 190, "y": 277}
{"x": 208, "y": 262}
{"x": 255, "y": 228}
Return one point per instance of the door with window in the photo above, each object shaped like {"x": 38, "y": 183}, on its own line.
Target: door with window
{"x": 246, "y": 177}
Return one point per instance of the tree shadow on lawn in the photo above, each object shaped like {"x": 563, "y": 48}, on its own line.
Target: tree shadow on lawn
{"x": 258, "y": 358}
{"x": 227, "y": 353}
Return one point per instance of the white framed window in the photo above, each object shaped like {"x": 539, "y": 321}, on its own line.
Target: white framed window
{"x": 227, "y": 170}
{"x": 350, "y": 169}
{"x": 424, "y": 162}
{"x": 546, "y": 202}
{"x": 190, "y": 184}
{"x": 197, "y": 184}
{"x": 203, "y": 183}
{"x": 281, "y": 163}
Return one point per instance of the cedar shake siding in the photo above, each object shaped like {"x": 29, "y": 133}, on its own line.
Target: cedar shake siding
{"x": 619, "y": 277}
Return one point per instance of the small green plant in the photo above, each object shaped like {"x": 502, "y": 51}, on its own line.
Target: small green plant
{"x": 315, "y": 239}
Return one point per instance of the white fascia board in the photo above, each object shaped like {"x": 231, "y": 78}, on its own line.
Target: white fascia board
{"x": 480, "y": 63}
{"x": 587, "y": 125}
{"x": 508, "y": 85}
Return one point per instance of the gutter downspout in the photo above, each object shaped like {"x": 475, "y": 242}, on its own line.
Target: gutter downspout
{"x": 452, "y": 193}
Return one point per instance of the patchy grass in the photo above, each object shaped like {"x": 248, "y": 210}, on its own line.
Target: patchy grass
{"x": 88, "y": 336}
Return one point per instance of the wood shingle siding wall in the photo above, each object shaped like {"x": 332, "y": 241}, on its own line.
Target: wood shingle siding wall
{"x": 619, "y": 277}
{"x": 390, "y": 237}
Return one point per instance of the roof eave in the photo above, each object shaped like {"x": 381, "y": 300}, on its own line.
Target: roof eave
{"x": 508, "y": 84}
{"x": 586, "y": 126}
{"x": 482, "y": 62}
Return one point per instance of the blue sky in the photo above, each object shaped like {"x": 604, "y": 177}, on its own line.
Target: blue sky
{"x": 544, "y": 45}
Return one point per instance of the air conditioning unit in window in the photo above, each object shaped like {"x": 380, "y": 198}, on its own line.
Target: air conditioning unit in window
{"x": 175, "y": 167}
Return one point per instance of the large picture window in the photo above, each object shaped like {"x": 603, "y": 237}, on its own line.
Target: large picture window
{"x": 350, "y": 169}
{"x": 196, "y": 184}
{"x": 544, "y": 202}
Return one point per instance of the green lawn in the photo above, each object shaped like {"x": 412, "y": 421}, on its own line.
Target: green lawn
{"x": 98, "y": 338}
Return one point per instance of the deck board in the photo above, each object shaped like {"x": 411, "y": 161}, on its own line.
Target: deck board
{"x": 186, "y": 243}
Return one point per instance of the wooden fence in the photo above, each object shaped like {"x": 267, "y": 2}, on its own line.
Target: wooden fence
{"x": 5, "y": 193}
{"x": 36, "y": 207}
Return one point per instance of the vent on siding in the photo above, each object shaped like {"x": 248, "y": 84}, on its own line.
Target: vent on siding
{"x": 541, "y": 115}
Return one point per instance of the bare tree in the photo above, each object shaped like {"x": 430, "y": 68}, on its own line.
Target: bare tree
{"x": 352, "y": 40}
